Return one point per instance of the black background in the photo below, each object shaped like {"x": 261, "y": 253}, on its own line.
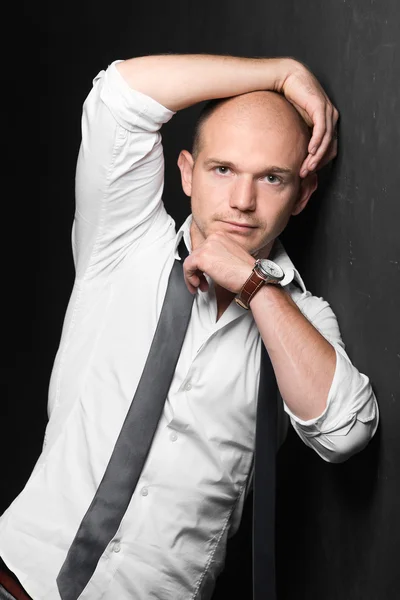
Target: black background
{"x": 338, "y": 526}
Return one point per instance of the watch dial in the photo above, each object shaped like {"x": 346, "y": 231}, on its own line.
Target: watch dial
{"x": 271, "y": 269}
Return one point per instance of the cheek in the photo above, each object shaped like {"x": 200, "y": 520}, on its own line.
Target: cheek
{"x": 205, "y": 197}
{"x": 277, "y": 211}
{"x": 281, "y": 222}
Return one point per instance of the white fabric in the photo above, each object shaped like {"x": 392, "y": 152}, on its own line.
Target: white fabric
{"x": 171, "y": 542}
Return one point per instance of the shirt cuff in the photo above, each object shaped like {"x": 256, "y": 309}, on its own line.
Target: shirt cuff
{"x": 130, "y": 108}
{"x": 350, "y": 398}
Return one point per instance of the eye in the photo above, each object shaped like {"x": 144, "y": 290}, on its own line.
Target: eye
{"x": 222, "y": 167}
{"x": 273, "y": 179}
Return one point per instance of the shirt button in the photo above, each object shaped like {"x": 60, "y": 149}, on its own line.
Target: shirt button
{"x": 117, "y": 547}
{"x": 173, "y": 436}
{"x": 144, "y": 491}
{"x": 188, "y": 387}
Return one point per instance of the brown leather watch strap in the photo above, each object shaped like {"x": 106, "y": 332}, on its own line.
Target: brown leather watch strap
{"x": 250, "y": 288}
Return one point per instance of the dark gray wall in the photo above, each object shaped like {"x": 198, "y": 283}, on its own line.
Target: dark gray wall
{"x": 338, "y": 526}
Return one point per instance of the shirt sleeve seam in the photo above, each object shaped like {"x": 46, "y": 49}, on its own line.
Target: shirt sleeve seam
{"x": 100, "y": 227}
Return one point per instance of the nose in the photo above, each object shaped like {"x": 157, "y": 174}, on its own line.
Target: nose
{"x": 243, "y": 195}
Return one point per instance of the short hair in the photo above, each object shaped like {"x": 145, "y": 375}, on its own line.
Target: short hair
{"x": 208, "y": 109}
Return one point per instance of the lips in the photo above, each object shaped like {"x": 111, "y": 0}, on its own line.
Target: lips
{"x": 244, "y": 225}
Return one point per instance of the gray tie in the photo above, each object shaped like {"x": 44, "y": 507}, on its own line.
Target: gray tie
{"x": 104, "y": 515}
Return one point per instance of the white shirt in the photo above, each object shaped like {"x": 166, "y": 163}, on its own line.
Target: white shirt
{"x": 171, "y": 542}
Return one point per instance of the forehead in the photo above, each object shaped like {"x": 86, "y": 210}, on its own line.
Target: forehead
{"x": 253, "y": 137}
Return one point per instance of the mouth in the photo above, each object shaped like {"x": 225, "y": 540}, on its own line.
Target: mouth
{"x": 240, "y": 227}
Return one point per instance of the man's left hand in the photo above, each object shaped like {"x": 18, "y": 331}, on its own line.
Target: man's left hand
{"x": 222, "y": 259}
{"x": 301, "y": 88}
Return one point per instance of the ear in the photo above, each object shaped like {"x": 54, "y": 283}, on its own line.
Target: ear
{"x": 185, "y": 164}
{"x": 308, "y": 186}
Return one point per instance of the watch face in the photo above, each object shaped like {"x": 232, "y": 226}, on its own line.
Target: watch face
{"x": 271, "y": 269}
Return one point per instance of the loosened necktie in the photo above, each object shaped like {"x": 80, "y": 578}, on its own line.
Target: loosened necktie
{"x": 104, "y": 515}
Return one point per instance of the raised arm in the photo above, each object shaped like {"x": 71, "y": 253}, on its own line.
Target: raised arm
{"x": 120, "y": 170}
{"x": 178, "y": 81}
{"x": 119, "y": 176}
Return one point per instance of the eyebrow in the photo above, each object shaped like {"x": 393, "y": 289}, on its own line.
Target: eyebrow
{"x": 227, "y": 163}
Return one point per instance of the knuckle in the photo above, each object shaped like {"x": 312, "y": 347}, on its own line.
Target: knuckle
{"x": 204, "y": 253}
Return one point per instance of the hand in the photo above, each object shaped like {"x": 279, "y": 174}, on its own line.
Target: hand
{"x": 303, "y": 90}
{"x": 222, "y": 259}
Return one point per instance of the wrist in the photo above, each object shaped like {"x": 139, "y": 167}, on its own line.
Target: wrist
{"x": 247, "y": 271}
{"x": 283, "y": 68}
{"x": 269, "y": 294}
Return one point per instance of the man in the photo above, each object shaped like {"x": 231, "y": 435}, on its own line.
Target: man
{"x": 252, "y": 167}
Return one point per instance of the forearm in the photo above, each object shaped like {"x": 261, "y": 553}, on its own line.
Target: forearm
{"x": 304, "y": 361}
{"x": 180, "y": 80}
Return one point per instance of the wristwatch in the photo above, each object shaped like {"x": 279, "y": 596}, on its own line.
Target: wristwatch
{"x": 264, "y": 271}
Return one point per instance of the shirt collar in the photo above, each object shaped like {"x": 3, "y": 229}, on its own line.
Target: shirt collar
{"x": 278, "y": 254}
{"x": 184, "y": 231}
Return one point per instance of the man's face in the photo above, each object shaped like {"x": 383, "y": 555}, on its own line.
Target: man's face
{"x": 245, "y": 181}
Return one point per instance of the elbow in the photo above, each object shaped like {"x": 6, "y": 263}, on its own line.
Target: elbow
{"x": 345, "y": 446}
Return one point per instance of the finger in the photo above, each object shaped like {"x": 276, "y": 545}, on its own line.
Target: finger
{"x": 189, "y": 274}
{"x": 319, "y": 131}
{"x": 305, "y": 167}
{"x": 330, "y": 154}
{"x": 195, "y": 279}
{"x": 319, "y": 128}
{"x": 314, "y": 162}
{"x": 192, "y": 282}
{"x": 332, "y": 151}
{"x": 335, "y": 117}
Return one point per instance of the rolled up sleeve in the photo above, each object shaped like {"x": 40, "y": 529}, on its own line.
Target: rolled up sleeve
{"x": 351, "y": 416}
{"x": 119, "y": 175}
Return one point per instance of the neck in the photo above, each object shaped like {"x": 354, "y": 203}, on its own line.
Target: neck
{"x": 196, "y": 237}
{"x": 224, "y": 298}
